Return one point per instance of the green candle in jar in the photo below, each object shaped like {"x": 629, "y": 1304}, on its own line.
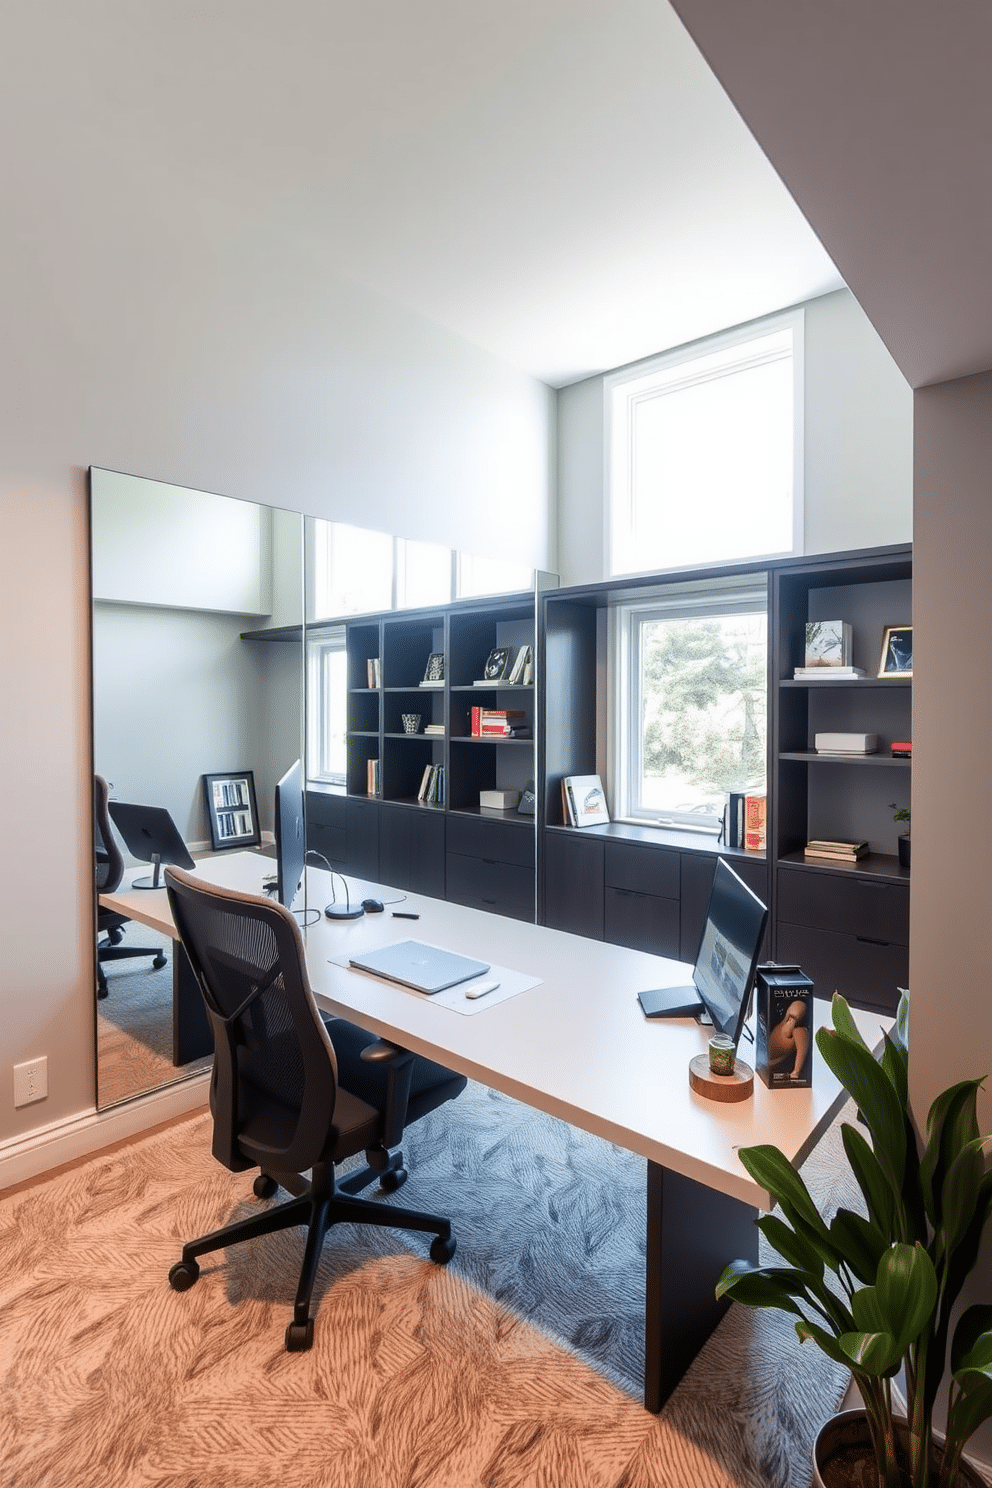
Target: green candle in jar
{"x": 723, "y": 1054}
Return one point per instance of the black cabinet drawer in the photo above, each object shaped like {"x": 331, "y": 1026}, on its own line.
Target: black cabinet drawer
{"x": 645, "y": 870}
{"x": 325, "y": 821}
{"x": 504, "y": 842}
{"x": 868, "y": 974}
{"x": 411, "y": 849}
{"x": 362, "y": 837}
{"x": 483, "y": 883}
{"x": 645, "y": 922}
{"x": 876, "y": 911}
{"x": 573, "y": 883}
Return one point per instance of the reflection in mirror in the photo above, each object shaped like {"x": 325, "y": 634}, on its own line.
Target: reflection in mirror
{"x": 197, "y": 671}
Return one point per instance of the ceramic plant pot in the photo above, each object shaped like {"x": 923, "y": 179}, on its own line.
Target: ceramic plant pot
{"x": 843, "y": 1456}
{"x": 902, "y": 846}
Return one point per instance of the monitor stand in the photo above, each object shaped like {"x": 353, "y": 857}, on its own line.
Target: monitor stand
{"x": 673, "y": 1002}
{"x": 155, "y": 881}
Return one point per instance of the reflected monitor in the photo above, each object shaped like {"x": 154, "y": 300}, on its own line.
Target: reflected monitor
{"x": 151, "y": 836}
{"x": 728, "y": 953}
{"x": 291, "y": 847}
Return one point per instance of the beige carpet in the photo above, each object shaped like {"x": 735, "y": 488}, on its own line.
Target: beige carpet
{"x": 417, "y": 1375}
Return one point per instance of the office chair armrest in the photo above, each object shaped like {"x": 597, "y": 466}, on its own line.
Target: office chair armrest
{"x": 399, "y": 1073}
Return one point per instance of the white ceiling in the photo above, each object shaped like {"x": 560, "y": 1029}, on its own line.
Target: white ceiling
{"x": 562, "y": 182}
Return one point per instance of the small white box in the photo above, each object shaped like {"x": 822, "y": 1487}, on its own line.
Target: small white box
{"x": 499, "y": 800}
{"x": 846, "y": 743}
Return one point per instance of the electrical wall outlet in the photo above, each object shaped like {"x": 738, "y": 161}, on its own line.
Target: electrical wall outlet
{"x": 31, "y": 1081}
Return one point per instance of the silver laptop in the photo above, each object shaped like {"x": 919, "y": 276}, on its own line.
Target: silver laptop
{"x": 423, "y": 967}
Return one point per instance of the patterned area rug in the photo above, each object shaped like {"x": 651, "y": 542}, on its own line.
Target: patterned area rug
{"x": 518, "y": 1364}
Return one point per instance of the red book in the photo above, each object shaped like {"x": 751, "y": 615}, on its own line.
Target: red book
{"x": 476, "y": 722}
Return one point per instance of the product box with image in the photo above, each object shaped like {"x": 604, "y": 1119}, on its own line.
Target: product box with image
{"x": 784, "y": 1042}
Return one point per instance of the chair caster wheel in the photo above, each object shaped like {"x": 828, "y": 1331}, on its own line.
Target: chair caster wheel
{"x": 264, "y": 1186}
{"x": 114, "y": 937}
{"x": 299, "y": 1337}
{"x": 392, "y": 1179}
{"x": 183, "y": 1275}
{"x": 442, "y": 1249}
{"x": 160, "y": 960}
{"x": 102, "y": 992}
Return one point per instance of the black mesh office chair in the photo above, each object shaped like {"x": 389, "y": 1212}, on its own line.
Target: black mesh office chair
{"x": 294, "y": 1090}
{"x": 109, "y": 872}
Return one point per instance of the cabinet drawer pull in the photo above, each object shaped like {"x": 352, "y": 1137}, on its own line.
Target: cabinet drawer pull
{"x": 870, "y": 940}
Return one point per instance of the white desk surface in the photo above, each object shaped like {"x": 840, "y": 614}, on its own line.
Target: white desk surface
{"x": 576, "y": 1046}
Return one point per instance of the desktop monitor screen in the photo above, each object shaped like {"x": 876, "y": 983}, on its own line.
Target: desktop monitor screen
{"x": 290, "y": 838}
{"x": 728, "y": 953}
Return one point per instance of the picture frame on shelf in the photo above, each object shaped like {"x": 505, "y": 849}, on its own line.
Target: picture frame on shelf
{"x": 434, "y": 671}
{"x": 231, "y": 809}
{"x": 897, "y": 652}
{"x": 498, "y": 664}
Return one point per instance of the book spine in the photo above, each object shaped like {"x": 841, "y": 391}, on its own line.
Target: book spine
{"x": 572, "y": 811}
{"x": 754, "y": 823}
{"x": 476, "y": 722}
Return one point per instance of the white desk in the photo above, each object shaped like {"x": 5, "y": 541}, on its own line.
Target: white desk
{"x": 578, "y": 1047}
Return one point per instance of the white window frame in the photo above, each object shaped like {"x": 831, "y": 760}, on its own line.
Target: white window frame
{"x": 663, "y": 373}
{"x": 747, "y": 594}
{"x": 319, "y": 648}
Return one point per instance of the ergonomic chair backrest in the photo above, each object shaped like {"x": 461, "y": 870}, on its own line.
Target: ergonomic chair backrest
{"x": 274, "y": 1082}
{"x": 109, "y": 859}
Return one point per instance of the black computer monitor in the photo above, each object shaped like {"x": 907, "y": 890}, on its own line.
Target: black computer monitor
{"x": 291, "y": 847}
{"x": 728, "y": 953}
{"x": 151, "y": 836}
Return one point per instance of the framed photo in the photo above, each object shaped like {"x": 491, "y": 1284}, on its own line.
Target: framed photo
{"x": 231, "y": 809}
{"x": 498, "y": 664}
{"x": 435, "y": 667}
{"x": 897, "y": 652}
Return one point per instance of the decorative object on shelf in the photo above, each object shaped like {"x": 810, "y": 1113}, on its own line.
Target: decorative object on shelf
{"x": 902, "y": 814}
{"x": 524, "y": 658}
{"x": 528, "y": 800}
{"x": 722, "y": 1054}
{"x": 434, "y": 673}
{"x": 499, "y": 800}
{"x": 585, "y": 800}
{"x": 374, "y": 671}
{"x": 784, "y": 1047}
{"x": 902, "y": 749}
{"x": 432, "y": 786}
{"x": 373, "y": 785}
{"x": 827, "y": 674}
{"x": 755, "y": 808}
{"x": 738, "y": 1085}
{"x": 411, "y": 723}
{"x": 897, "y": 652}
{"x": 231, "y": 809}
{"x": 876, "y": 1293}
{"x": 498, "y": 664}
{"x": 845, "y": 743}
{"x": 830, "y": 850}
{"x": 828, "y": 643}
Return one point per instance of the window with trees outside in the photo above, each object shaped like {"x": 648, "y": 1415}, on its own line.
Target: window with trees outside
{"x": 691, "y": 720}
{"x": 705, "y": 451}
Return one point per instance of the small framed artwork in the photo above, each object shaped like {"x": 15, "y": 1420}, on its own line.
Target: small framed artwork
{"x": 231, "y": 809}
{"x": 435, "y": 667}
{"x": 897, "y": 652}
{"x": 498, "y": 664}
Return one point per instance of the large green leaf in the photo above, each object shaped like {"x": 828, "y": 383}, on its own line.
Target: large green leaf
{"x": 961, "y": 1193}
{"x": 861, "y": 1243}
{"x": 774, "y": 1172}
{"x": 807, "y": 1331}
{"x": 895, "y": 1063}
{"x": 761, "y": 1286}
{"x": 972, "y": 1407}
{"x": 906, "y": 1288}
{"x": 843, "y": 1020}
{"x": 791, "y": 1245}
{"x": 951, "y": 1123}
{"x": 872, "y": 1353}
{"x": 868, "y": 1313}
{"x": 971, "y": 1347}
{"x": 864, "y": 1079}
{"x": 878, "y": 1195}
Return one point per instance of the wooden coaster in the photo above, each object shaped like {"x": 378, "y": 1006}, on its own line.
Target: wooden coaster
{"x": 735, "y": 1087}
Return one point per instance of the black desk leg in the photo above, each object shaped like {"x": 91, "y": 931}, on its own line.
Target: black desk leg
{"x": 693, "y": 1232}
{"x": 191, "y": 1034}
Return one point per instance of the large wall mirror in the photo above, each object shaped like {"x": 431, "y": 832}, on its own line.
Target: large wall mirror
{"x": 197, "y": 670}
{"x": 202, "y": 610}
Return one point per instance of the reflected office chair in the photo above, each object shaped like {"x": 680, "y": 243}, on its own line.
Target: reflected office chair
{"x": 294, "y": 1090}
{"x": 109, "y": 872}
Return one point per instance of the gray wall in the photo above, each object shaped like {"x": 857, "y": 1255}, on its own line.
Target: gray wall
{"x": 858, "y": 446}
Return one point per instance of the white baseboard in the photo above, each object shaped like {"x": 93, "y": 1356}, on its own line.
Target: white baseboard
{"x": 78, "y": 1136}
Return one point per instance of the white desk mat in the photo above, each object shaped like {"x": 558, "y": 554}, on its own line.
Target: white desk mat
{"x": 453, "y": 998}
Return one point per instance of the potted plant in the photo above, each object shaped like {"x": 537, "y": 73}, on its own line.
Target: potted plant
{"x": 876, "y": 1293}
{"x": 902, "y": 814}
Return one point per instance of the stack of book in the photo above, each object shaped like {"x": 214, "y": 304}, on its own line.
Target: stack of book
{"x": 432, "y": 785}
{"x": 372, "y": 783}
{"x": 826, "y": 673}
{"x": 374, "y": 671}
{"x": 505, "y": 723}
{"x": 434, "y": 728}
{"x": 827, "y": 850}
